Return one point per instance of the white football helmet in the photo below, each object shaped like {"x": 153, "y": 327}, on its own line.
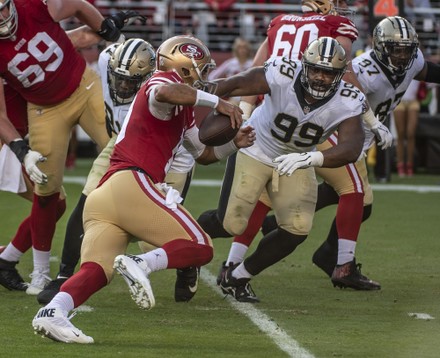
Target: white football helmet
{"x": 324, "y": 53}
{"x": 395, "y": 43}
{"x": 9, "y": 22}
{"x": 130, "y": 65}
{"x": 190, "y": 58}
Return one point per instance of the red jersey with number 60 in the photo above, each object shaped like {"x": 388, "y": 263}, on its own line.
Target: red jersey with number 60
{"x": 288, "y": 35}
{"x": 41, "y": 62}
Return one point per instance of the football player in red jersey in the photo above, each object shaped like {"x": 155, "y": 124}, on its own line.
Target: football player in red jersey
{"x": 38, "y": 60}
{"x": 132, "y": 199}
{"x": 288, "y": 35}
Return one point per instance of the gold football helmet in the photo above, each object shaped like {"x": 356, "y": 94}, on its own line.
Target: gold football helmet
{"x": 131, "y": 64}
{"x": 8, "y": 24}
{"x": 320, "y": 6}
{"x": 395, "y": 43}
{"x": 189, "y": 57}
{"x": 327, "y": 55}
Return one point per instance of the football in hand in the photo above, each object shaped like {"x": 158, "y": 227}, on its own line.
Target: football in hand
{"x": 215, "y": 129}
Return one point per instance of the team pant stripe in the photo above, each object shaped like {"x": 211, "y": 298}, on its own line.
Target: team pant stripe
{"x": 351, "y": 168}
{"x": 181, "y": 216}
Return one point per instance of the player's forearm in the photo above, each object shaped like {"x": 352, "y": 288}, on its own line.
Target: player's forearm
{"x": 83, "y": 37}
{"x": 82, "y": 10}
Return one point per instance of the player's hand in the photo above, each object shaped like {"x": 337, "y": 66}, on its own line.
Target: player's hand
{"x": 245, "y": 137}
{"x": 288, "y": 163}
{"x": 122, "y": 18}
{"x": 231, "y": 110}
{"x": 30, "y": 161}
{"x": 383, "y": 135}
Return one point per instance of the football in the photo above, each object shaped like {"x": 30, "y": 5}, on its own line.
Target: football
{"x": 215, "y": 129}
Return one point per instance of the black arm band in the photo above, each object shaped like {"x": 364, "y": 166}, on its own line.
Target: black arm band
{"x": 109, "y": 31}
{"x": 432, "y": 73}
{"x": 20, "y": 149}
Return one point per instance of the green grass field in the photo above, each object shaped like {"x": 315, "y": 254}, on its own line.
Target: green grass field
{"x": 300, "y": 314}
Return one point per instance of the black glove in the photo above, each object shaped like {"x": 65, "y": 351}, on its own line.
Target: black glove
{"x": 109, "y": 31}
{"x": 122, "y": 17}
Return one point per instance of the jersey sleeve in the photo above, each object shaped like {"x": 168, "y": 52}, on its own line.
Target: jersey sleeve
{"x": 342, "y": 26}
{"x": 273, "y": 71}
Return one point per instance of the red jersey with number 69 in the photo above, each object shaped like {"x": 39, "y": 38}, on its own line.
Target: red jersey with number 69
{"x": 288, "y": 35}
{"x": 41, "y": 62}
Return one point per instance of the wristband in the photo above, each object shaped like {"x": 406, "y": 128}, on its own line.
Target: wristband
{"x": 370, "y": 119}
{"x": 206, "y": 99}
{"x": 20, "y": 148}
{"x": 225, "y": 150}
{"x": 317, "y": 159}
{"x": 247, "y": 109}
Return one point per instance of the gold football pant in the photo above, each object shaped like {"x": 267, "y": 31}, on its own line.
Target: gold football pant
{"x": 50, "y": 128}
{"x": 129, "y": 205}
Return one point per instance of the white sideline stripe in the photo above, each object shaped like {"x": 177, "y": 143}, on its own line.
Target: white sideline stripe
{"x": 218, "y": 183}
{"x": 286, "y": 343}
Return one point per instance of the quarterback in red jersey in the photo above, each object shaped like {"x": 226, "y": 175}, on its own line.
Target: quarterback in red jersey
{"x": 132, "y": 200}
{"x": 39, "y": 62}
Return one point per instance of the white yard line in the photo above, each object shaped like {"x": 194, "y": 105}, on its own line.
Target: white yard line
{"x": 217, "y": 183}
{"x": 266, "y": 324}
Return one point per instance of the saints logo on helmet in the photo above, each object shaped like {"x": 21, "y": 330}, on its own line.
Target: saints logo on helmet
{"x": 190, "y": 58}
{"x": 324, "y": 55}
{"x": 395, "y": 44}
{"x": 131, "y": 64}
{"x": 8, "y": 19}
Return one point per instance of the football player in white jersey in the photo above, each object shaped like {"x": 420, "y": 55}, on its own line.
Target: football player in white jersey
{"x": 288, "y": 35}
{"x": 305, "y": 103}
{"x": 385, "y": 73}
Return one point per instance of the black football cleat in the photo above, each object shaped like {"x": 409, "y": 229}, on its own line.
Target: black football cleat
{"x": 221, "y": 272}
{"x": 50, "y": 290}
{"x": 349, "y": 275}
{"x": 326, "y": 257}
{"x": 10, "y": 278}
{"x": 187, "y": 282}
{"x": 239, "y": 288}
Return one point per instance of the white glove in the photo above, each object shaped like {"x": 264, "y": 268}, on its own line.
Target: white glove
{"x": 383, "y": 135}
{"x": 30, "y": 164}
{"x": 380, "y": 131}
{"x": 288, "y": 163}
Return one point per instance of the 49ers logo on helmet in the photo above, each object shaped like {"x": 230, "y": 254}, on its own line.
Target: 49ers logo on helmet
{"x": 192, "y": 51}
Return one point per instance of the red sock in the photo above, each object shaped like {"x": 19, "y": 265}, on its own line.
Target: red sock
{"x": 254, "y": 224}
{"x": 22, "y": 240}
{"x": 349, "y": 215}
{"x": 89, "y": 279}
{"x": 184, "y": 253}
{"x": 43, "y": 220}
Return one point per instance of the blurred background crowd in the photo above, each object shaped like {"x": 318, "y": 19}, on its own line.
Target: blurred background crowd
{"x": 233, "y": 30}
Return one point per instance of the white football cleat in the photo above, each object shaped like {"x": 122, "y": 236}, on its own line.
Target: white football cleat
{"x": 53, "y": 323}
{"x": 135, "y": 271}
{"x": 40, "y": 278}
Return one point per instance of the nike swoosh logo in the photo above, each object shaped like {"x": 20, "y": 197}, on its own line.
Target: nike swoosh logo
{"x": 193, "y": 289}
{"x": 90, "y": 86}
{"x": 76, "y": 334}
